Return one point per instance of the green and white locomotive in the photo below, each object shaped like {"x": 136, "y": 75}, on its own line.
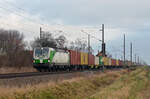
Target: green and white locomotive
{"x": 49, "y": 59}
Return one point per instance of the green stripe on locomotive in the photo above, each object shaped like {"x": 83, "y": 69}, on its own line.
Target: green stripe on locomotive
{"x": 45, "y": 61}
{"x": 36, "y": 61}
{"x": 52, "y": 54}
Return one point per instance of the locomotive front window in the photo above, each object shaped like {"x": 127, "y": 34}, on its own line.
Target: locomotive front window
{"x": 38, "y": 53}
{"x": 45, "y": 52}
{"x": 41, "y": 53}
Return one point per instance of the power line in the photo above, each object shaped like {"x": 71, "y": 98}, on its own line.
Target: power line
{"x": 23, "y": 10}
{"x": 90, "y": 35}
{"x": 29, "y": 19}
{"x": 17, "y": 27}
{"x": 10, "y": 3}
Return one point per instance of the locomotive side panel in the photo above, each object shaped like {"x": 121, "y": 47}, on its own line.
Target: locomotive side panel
{"x": 61, "y": 58}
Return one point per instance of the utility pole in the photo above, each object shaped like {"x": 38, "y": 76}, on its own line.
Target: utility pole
{"x": 88, "y": 47}
{"x": 131, "y": 52}
{"x": 135, "y": 59}
{"x": 103, "y": 42}
{"x": 124, "y": 51}
{"x": 88, "y": 40}
{"x": 40, "y": 32}
{"x": 41, "y": 37}
{"x": 89, "y": 43}
{"x": 138, "y": 60}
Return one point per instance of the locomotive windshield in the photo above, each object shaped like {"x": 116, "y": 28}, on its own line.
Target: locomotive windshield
{"x": 41, "y": 53}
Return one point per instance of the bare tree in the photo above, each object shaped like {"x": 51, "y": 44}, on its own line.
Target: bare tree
{"x": 44, "y": 42}
{"x": 49, "y": 41}
{"x": 80, "y": 45}
{"x": 13, "y": 49}
{"x": 61, "y": 40}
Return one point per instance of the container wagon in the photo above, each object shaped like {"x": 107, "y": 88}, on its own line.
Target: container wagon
{"x": 84, "y": 60}
{"x": 113, "y": 63}
{"x": 109, "y": 63}
{"x": 96, "y": 62}
{"x": 117, "y": 63}
{"x": 91, "y": 61}
{"x": 106, "y": 61}
{"x": 101, "y": 61}
{"x": 75, "y": 59}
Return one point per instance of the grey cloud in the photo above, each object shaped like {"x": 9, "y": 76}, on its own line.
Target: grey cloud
{"x": 131, "y": 16}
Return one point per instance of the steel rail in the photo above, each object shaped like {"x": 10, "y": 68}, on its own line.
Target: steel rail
{"x": 30, "y": 74}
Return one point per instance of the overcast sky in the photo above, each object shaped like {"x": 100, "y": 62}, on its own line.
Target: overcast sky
{"x": 130, "y": 17}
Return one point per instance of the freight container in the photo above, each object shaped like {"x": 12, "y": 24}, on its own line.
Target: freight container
{"x": 113, "y": 62}
{"x": 91, "y": 60}
{"x": 61, "y": 58}
{"x": 101, "y": 61}
{"x": 120, "y": 63}
{"x": 106, "y": 61}
{"x": 129, "y": 63}
{"x": 109, "y": 61}
{"x": 117, "y": 62}
{"x": 96, "y": 60}
{"x": 75, "y": 58}
{"x": 84, "y": 58}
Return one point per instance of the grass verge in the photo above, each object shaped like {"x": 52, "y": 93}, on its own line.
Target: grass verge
{"x": 135, "y": 85}
{"x": 76, "y": 88}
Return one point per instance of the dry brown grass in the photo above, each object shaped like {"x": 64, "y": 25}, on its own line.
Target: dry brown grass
{"x": 5, "y": 70}
{"x": 75, "y": 88}
{"x": 135, "y": 85}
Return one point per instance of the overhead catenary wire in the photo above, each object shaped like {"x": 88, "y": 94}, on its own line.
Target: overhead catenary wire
{"x": 27, "y": 18}
{"x": 13, "y": 4}
{"x": 22, "y": 23}
{"x": 20, "y": 15}
{"x": 90, "y": 35}
{"x": 17, "y": 27}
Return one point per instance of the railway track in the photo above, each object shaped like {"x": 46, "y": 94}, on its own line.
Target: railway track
{"x": 30, "y": 74}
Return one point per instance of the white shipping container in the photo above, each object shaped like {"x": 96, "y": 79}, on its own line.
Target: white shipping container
{"x": 61, "y": 58}
{"x": 96, "y": 60}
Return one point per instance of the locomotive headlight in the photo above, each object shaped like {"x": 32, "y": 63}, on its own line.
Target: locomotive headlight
{"x": 48, "y": 60}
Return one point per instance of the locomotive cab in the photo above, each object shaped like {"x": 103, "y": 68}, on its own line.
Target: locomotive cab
{"x": 41, "y": 57}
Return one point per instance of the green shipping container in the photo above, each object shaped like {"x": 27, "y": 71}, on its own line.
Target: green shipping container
{"x": 101, "y": 60}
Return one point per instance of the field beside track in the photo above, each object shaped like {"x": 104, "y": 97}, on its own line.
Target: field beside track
{"x": 123, "y": 84}
{"x": 135, "y": 85}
